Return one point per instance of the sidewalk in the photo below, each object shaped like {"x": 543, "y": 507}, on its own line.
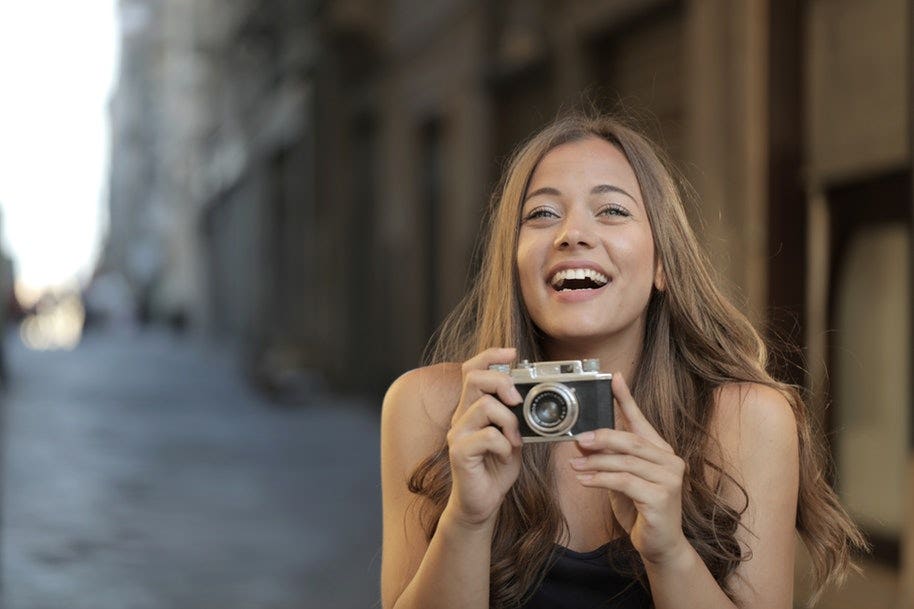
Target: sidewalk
{"x": 141, "y": 473}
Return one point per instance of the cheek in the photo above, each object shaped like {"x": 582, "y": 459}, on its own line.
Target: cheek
{"x": 638, "y": 255}
{"x": 524, "y": 258}
{"x": 528, "y": 270}
{"x": 524, "y": 278}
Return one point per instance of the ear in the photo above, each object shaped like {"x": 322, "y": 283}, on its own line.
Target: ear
{"x": 659, "y": 277}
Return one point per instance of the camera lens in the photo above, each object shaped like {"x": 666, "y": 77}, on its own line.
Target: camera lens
{"x": 551, "y": 409}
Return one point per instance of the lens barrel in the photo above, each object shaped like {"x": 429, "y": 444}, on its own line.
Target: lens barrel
{"x": 551, "y": 409}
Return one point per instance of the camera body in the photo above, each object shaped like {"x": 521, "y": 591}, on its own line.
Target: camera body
{"x": 561, "y": 398}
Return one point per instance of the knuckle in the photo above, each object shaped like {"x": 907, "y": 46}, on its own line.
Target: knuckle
{"x": 483, "y": 407}
{"x": 624, "y": 482}
{"x": 490, "y": 405}
{"x": 492, "y": 434}
{"x": 502, "y": 446}
{"x": 500, "y": 407}
{"x": 637, "y": 442}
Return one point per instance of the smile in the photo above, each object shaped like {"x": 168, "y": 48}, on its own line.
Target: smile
{"x": 578, "y": 279}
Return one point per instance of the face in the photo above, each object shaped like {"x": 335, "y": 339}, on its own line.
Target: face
{"x": 585, "y": 253}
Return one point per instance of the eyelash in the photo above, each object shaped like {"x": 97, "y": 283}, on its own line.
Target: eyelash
{"x": 540, "y": 212}
{"x": 609, "y": 210}
{"x": 614, "y": 210}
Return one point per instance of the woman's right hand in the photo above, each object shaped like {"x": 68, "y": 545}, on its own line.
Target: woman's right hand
{"x": 483, "y": 442}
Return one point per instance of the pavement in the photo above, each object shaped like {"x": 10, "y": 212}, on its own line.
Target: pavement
{"x": 140, "y": 472}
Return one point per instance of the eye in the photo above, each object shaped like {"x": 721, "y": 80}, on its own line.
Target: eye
{"x": 539, "y": 213}
{"x": 614, "y": 209}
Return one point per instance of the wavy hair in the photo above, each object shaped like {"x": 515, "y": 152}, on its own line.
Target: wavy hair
{"x": 695, "y": 342}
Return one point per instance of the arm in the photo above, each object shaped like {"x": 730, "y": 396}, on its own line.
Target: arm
{"x": 452, "y": 570}
{"x": 757, "y": 433}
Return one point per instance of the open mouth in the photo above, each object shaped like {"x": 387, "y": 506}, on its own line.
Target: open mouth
{"x": 578, "y": 279}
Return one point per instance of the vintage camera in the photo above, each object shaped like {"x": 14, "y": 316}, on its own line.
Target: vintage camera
{"x": 561, "y": 399}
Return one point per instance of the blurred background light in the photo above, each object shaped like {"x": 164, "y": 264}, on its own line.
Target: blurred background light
{"x": 57, "y": 63}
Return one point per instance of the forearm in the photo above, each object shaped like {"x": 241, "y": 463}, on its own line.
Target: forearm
{"x": 454, "y": 573}
{"x": 684, "y": 582}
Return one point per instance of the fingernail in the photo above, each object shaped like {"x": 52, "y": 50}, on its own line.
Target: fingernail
{"x": 585, "y": 438}
{"x": 578, "y": 462}
{"x": 585, "y": 477}
{"x": 516, "y": 394}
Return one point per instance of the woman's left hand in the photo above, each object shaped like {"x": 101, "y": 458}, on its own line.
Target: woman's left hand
{"x": 643, "y": 475}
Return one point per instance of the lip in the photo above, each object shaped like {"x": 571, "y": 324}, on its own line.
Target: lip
{"x": 569, "y": 296}
{"x": 576, "y": 295}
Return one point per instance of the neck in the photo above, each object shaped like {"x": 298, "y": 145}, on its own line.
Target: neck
{"x": 619, "y": 354}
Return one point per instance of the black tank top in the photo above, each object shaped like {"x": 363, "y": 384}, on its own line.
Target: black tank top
{"x": 586, "y": 580}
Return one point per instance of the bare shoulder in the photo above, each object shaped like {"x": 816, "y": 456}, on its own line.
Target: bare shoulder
{"x": 756, "y": 427}
{"x": 430, "y": 392}
{"x": 760, "y": 413}
{"x": 417, "y": 410}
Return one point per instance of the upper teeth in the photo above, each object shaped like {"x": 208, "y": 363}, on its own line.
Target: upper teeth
{"x": 591, "y": 274}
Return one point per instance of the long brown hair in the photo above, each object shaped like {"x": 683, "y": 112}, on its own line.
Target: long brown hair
{"x": 695, "y": 342}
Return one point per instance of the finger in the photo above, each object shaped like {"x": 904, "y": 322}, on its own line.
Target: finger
{"x": 481, "y": 361}
{"x": 600, "y": 462}
{"x": 637, "y": 422}
{"x": 616, "y": 441}
{"x": 480, "y": 383}
{"x": 494, "y": 355}
{"x": 637, "y": 489}
{"x": 488, "y": 440}
{"x": 491, "y": 382}
{"x": 488, "y": 411}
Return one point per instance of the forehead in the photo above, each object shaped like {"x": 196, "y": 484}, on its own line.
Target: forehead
{"x": 582, "y": 164}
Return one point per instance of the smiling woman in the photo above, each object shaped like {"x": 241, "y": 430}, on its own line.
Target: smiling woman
{"x": 692, "y": 499}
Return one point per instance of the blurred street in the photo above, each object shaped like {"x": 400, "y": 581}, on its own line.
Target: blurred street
{"x": 140, "y": 472}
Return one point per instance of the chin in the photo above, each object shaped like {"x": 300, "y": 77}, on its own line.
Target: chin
{"x": 588, "y": 332}
{"x": 584, "y": 336}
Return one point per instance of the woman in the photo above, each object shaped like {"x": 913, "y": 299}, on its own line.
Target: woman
{"x": 692, "y": 499}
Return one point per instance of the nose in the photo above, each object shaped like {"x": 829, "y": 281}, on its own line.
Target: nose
{"x": 574, "y": 233}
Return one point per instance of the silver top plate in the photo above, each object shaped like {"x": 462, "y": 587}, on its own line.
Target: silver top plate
{"x": 562, "y": 370}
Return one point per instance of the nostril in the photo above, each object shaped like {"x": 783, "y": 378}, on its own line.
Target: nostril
{"x": 573, "y": 237}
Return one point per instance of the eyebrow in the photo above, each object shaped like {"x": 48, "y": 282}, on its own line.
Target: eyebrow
{"x": 596, "y": 190}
